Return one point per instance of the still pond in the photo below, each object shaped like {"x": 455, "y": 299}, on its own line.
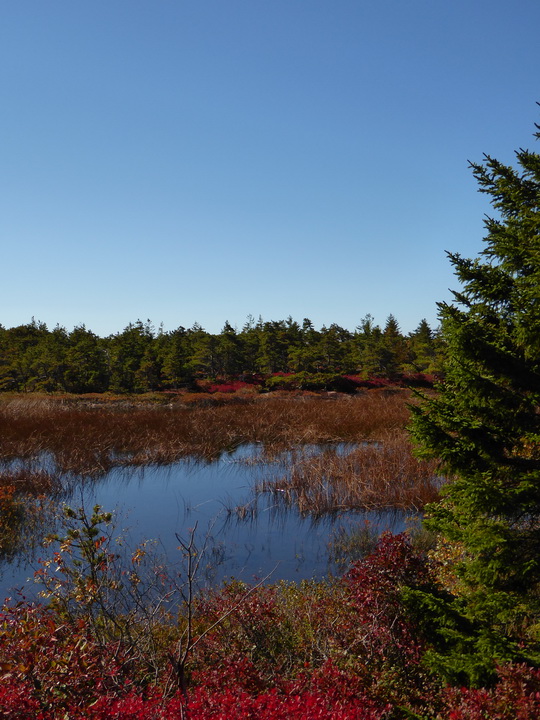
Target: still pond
{"x": 249, "y": 535}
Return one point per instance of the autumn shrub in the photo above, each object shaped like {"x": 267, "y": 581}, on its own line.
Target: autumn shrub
{"x": 125, "y": 597}
{"x": 16, "y": 700}
{"x": 246, "y": 666}
{"x": 332, "y": 695}
{"x": 346, "y": 648}
{"x": 357, "y": 624}
{"x": 328, "y": 693}
{"x": 54, "y": 664}
{"x": 282, "y": 630}
{"x": 516, "y": 696}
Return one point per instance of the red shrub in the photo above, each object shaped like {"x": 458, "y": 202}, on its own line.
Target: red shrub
{"x": 515, "y": 697}
{"x": 375, "y": 594}
{"x": 227, "y": 387}
{"x": 54, "y": 664}
{"x": 328, "y": 694}
{"x": 16, "y": 700}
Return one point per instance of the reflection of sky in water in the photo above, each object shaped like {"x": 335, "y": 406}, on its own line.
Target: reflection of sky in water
{"x": 157, "y": 502}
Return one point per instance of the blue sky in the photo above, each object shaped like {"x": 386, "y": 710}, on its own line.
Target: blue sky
{"x": 206, "y": 160}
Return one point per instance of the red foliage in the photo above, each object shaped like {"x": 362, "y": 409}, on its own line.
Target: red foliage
{"x": 237, "y": 652}
{"x": 239, "y": 672}
{"x": 54, "y": 664}
{"x": 515, "y": 697}
{"x": 230, "y": 385}
{"x": 227, "y": 387}
{"x": 135, "y": 706}
{"x": 324, "y": 693}
{"x": 16, "y": 700}
{"x": 375, "y": 584}
{"x": 229, "y": 705}
{"x": 250, "y": 666}
{"x": 371, "y": 382}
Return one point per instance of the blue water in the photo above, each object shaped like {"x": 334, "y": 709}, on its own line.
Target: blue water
{"x": 157, "y": 502}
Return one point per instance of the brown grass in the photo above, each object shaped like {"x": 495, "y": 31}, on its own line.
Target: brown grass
{"x": 30, "y": 482}
{"x": 372, "y": 476}
{"x": 26, "y": 509}
{"x": 90, "y": 439}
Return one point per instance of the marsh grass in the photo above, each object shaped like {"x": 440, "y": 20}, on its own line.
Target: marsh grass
{"x": 348, "y": 544}
{"x": 371, "y": 476}
{"x": 87, "y": 439}
{"x": 27, "y": 508}
{"x": 357, "y": 538}
{"x": 91, "y": 439}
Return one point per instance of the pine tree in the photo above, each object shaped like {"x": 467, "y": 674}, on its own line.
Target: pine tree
{"x": 229, "y": 359}
{"x": 422, "y": 349}
{"x": 484, "y": 426}
{"x": 393, "y": 350}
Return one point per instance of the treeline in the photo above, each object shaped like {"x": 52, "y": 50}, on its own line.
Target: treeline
{"x": 142, "y": 359}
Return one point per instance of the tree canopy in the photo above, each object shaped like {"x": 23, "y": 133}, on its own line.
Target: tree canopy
{"x": 139, "y": 359}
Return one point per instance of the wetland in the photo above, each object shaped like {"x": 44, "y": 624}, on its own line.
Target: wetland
{"x": 281, "y": 485}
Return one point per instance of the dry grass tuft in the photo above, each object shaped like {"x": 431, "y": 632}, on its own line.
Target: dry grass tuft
{"x": 372, "y": 476}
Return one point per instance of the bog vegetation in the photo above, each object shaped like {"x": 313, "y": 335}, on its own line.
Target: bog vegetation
{"x": 441, "y": 625}
{"x": 82, "y": 439}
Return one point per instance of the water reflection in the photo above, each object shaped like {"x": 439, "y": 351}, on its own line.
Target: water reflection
{"x": 248, "y": 535}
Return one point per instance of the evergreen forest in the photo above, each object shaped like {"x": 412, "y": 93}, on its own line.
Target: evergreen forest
{"x": 274, "y": 354}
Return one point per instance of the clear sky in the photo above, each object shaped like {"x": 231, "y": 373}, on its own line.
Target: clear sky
{"x": 206, "y": 160}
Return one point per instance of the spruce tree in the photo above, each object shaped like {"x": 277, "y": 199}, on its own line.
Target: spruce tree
{"x": 484, "y": 426}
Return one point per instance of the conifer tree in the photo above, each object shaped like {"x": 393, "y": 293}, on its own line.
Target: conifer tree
{"x": 484, "y": 426}
{"x": 422, "y": 349}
